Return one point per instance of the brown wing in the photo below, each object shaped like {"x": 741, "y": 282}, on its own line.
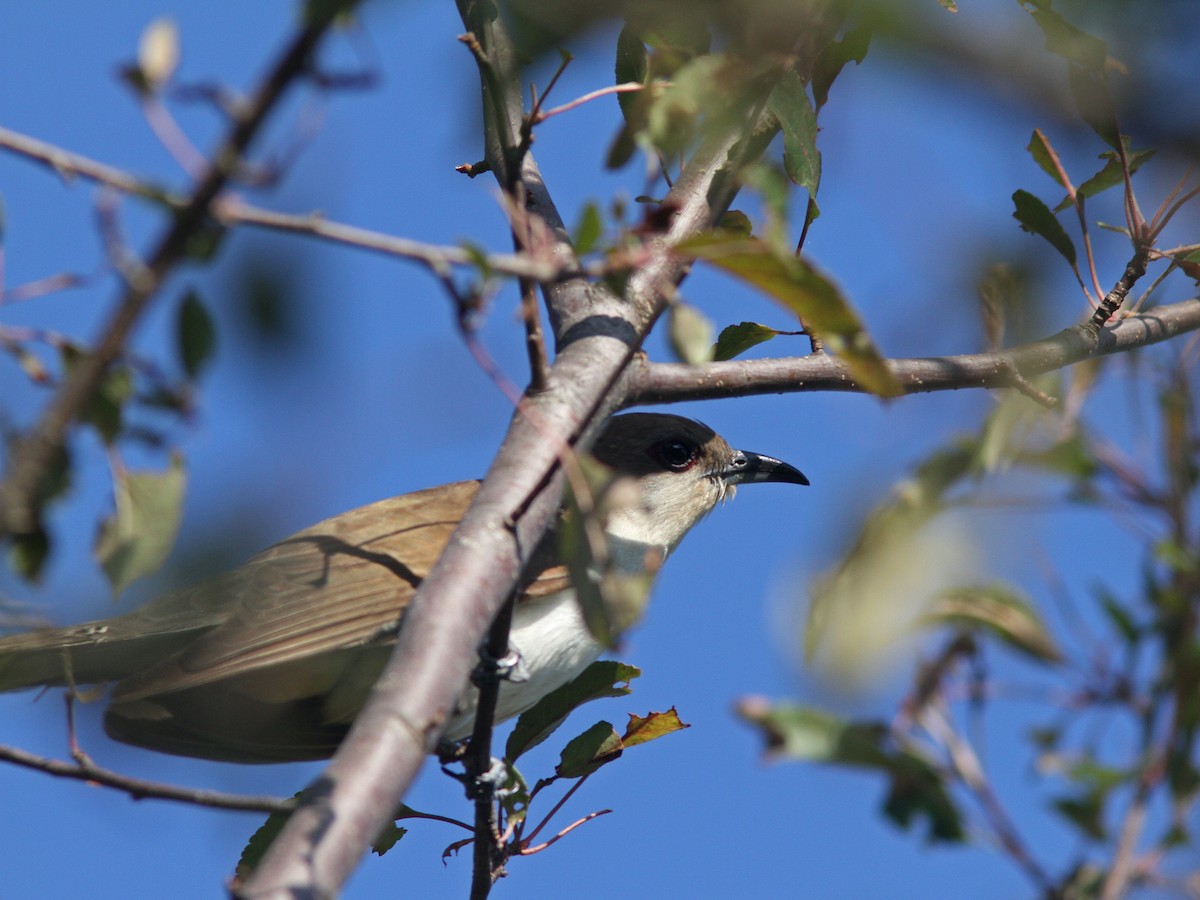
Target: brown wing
{"x": 342, "y": 583}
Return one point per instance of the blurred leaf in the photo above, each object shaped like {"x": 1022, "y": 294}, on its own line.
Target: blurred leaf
{"x": 916, "y": 790}
{"x": 1090, "y": 91}
{"x": 158, "y": 52}
{"x": 771, "y": 183}
{"x": 27, "y": 554}
{"x": 1036, "y": 218}
{"x": 807, "y": 293}
{"x": 735, "y": 340}
{"x": 1119, "y": 616}
{"x": 596, "y": 747}
{"x": 790, "y": 105}
{"x": 1086, "y": 812}
{"x": 1071, "y": 457}
{"x": 707, "y": 94}
{"x": 851, "y": 47}
{"x": 137, "y": 538}
{"x": 651, "y": 727}
{"x": 197, "y": 336}
{"x": 1007, "y": 431}
{"x": 610, "y": 598}
{"x": 1064, "y": 39}
{"x": 736, "y": 222}
{"x": 690, "y": 334}
{"x": 589, "y": 229}
{"x": 604, "y": 678}
{"x": 1001, "y": 610}
{"x": 104, "y": 409}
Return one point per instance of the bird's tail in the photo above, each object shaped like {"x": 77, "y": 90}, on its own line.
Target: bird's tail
{"x": 90, "y": 653}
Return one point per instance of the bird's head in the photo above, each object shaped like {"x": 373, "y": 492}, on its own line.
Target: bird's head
{"x": 683, "y": 469}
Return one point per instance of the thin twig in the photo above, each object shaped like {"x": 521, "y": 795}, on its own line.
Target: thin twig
{"x": 30, "y": 460}
{"x": 140, "y": 789}
{"x": 626, "y": 88}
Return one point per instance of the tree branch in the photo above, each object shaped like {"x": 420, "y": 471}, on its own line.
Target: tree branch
{"x": 671, "y": 382}
{"x": 139, "y": 789}
{"x": 31, "y": 459}
{"x": 597, "y": 335}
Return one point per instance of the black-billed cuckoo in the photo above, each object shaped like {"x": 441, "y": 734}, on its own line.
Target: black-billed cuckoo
{"x": 272, "y": 661}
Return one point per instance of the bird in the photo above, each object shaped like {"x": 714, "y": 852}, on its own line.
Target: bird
{"x": 271, "y": 661}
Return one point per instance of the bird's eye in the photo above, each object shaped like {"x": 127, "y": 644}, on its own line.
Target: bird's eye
{"x": 674, "y": 455}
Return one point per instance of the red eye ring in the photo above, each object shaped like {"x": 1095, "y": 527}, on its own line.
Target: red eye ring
{"x": 676, "y": 455}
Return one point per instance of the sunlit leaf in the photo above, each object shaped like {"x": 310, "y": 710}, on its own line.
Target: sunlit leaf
{"x": 158, "y": 52}
{"x": 136, "y": 539}
{"x": 805, "y": 291}
{"x": 652, "y": 726}
{"x": 735, "y": 340}
{"x": 1003, "y": 612}
{"x": 596, "y": 747}
{"x": 589, "y": 229}
{"x": 916, "y": 790}
{"x": 690, "y": 334}
{"x": 604, "y": 678}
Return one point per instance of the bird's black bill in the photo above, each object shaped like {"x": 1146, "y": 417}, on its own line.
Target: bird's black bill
{"x": 754, "y": 468}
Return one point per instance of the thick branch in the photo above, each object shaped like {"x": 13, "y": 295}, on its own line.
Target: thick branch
{"x": 597, "y": 335}
{"x": 34, "y": 454}
{"x": 672, "y": 382}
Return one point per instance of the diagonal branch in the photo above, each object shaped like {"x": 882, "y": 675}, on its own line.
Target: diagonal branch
{"x": 597, "y": 334}
{"x": 32, "y": 457}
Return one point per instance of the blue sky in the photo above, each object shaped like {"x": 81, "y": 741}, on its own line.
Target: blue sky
{"x": 379, "y": 397}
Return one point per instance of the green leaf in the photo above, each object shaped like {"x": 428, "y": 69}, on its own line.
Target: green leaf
{"x": 1119, "y": 615}
{"x": 27, "y": 554}
{"x": 596, "y": 747}
{"x": 1111, "y": 175}
{"x": 103, "y": 410}
{"x": 735, "y": 340}
{"x": 630, "y": 67}
{"x": 1001, "y": 610}
{"x": 604, "y": 678}
{"x": 1086, "y": 812}
{"x": 137, "y": 538}
{"x": 197, "y": 336}
{"x": 801, "y": 288}
{"x": 852, "y": 47}
{"x": 790, "y": 104}
{"x": 690, "y": 334}
{"x": 589, "y": 229}
{"x": 610, "y": 598}
{"x": 387, "y": 838}
{"x": 915, "y": 788}
{"x": 1043, "y": 154}
{"x": 1065, "y": 40}
{"x": 1036, "y": 218}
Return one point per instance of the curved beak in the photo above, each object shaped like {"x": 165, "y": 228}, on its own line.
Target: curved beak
{"x": 754, "y": 468}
